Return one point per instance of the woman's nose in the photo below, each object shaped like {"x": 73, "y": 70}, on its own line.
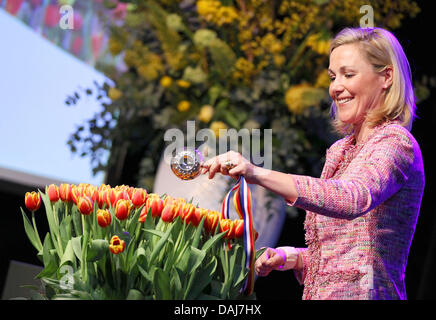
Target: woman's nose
{"x": 336, "y": 87}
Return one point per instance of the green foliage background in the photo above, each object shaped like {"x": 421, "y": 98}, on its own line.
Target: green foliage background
{"x": 255, "y": 64}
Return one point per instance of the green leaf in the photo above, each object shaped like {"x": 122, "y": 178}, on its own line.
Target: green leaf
{"x": 157, "y": 249}
{"x": 76, "y": 244}
{"x": 197, "y": 235}
{"x": 30, "y": 232}
{"x": 97, "y": 249}
{"x": 161, "y": 283}
{"x": 49, "y": 259}
{"x": 134, "y": 295}
{"x": 199, "y": 280}
{"x": 213, "y": 241}
{"x": 158, "y": 233}
{"x": 68, "y": 254}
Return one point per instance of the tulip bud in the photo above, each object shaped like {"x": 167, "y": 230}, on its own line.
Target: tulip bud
{"x": 110, "y": 194}
{"x": 103, "y": 218}
{"x": 77, "y": 193}
{"x": 228, "y": 226}
{"x": 85, "y": 205}
{"x": 102, "y": 198}
{"x": 53, "y": 192}
{"x": 212, "y": 220}
{"x": 117, "y": 245}
{"x": 156, "y": 204}
{"x": 168, "y": 211}
{"x": 239, "y": 228}
{"x": 32, "y": 200}
{"x": 187, "y": 211}
{"x": 122, "y": 209}
{"x": 139, "y": 196}
{"x": 65, "y": 192}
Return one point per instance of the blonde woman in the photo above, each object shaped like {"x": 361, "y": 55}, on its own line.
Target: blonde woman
{"x": 361, "y": 213}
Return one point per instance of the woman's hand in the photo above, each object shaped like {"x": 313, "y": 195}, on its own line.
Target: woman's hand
{"x": 231, "y": 164}
{"x": 271, "y": 259}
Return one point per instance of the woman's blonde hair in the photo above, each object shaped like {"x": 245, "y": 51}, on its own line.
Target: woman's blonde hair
{"x": 382, "y": 50}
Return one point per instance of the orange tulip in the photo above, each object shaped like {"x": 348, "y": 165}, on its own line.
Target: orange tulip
{"x": 169, "y": 212}
{"x": 85, "y": 205}
{"x": 65, "y": 192}
{"x": 102, "y": 198}
{"x": 110, "y": 194}
{"x": 103, "y": 218}
{"x": 32, "y": 200}
{"x": 139, "y": 196}
{"x": 53, "y": 192}
{"x": 187, "y": 211}
{"x": 122, "y": 209}
{"x": 77, "y": 193}
{"x": 117, "y": 245}
{"x": 229, "y": 226}
{"x": 239, "y": 228}
{"x": 212, "y": 220}
{"x": 156, "y": 204}
{"x": 199, "y": 213}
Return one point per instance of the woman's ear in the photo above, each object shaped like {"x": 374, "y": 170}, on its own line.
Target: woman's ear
{"x": 388, "y": 76}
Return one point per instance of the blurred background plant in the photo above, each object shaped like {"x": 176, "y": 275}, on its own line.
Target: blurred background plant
{"x": 225, "y": 64}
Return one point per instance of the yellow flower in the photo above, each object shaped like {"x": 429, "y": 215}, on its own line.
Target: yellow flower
{"x": 208, "y": 8}
{"x": 226, "y": 15}
{"x": 302, "y": 96}
{"x": 166, "y": 81}
{"x": 279, "y": 60}
{"x": 183, "y": 106}
{"x": 323, "y": 80}
{"x": 148, "y": 72}
{"x": 114, "y": 94}
{"x": 206, "y": 113}
{"x": 115, "y": 47}
{"x": 183, "y": 83}
{"x": 216, "y": 126}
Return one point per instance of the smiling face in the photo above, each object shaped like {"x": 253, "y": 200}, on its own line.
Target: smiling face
{"x": 355, "y": 86}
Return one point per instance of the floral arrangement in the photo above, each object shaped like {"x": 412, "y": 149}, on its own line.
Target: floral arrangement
{"x": 225, "y": 64}
{"x": 124, "y": 243}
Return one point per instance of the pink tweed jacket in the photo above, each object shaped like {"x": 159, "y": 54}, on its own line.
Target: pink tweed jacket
{"x": 361, "y": 216}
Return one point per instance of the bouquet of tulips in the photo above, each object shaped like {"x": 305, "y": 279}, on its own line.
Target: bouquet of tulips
{"x": 124, "y": 243}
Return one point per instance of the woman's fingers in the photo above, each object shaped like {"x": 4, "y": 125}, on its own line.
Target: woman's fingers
{"x": 270, "y": 260}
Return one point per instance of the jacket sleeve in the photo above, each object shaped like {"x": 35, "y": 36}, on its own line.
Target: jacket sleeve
{"x": 378, "y": 171}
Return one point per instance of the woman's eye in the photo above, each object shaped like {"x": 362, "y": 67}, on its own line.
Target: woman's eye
{"x": 349, "y": 75}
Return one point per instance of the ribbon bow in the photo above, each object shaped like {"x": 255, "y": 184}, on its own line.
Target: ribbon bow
{"x": 244, "y": 210}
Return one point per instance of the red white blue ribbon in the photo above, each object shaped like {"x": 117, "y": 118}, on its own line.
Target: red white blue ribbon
{"x": 244, "y": 210}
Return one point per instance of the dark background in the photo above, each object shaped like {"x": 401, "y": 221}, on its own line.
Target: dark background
{"x": 415, "y": 35}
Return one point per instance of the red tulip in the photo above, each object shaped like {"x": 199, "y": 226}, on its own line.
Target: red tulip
{"x": 212, "y": 220}
{"x": 239, "y": 228}
{"x": 117, "y": 245}
{"x": 139, "y": 196}
{"x": 85, "y": 205}
{"x": 229, "y": 226}
{"x": 187, "y": 211}
{"x": 76, "y": 193}
{"x": 52, "y": 16}
{"x": 65, "y": 192}
{"x": 53, "y": 192}
{"x": 32, "y": 200}
{"x": 76, "y": 46}
{"x": 103, "y": 218}
{"x": 122, "y": 209}
{"x": 13, "y": 6}
{"x": 101, "y": 198}
{"x": 169, "y": 211}
{"x": 111, "y": 196}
